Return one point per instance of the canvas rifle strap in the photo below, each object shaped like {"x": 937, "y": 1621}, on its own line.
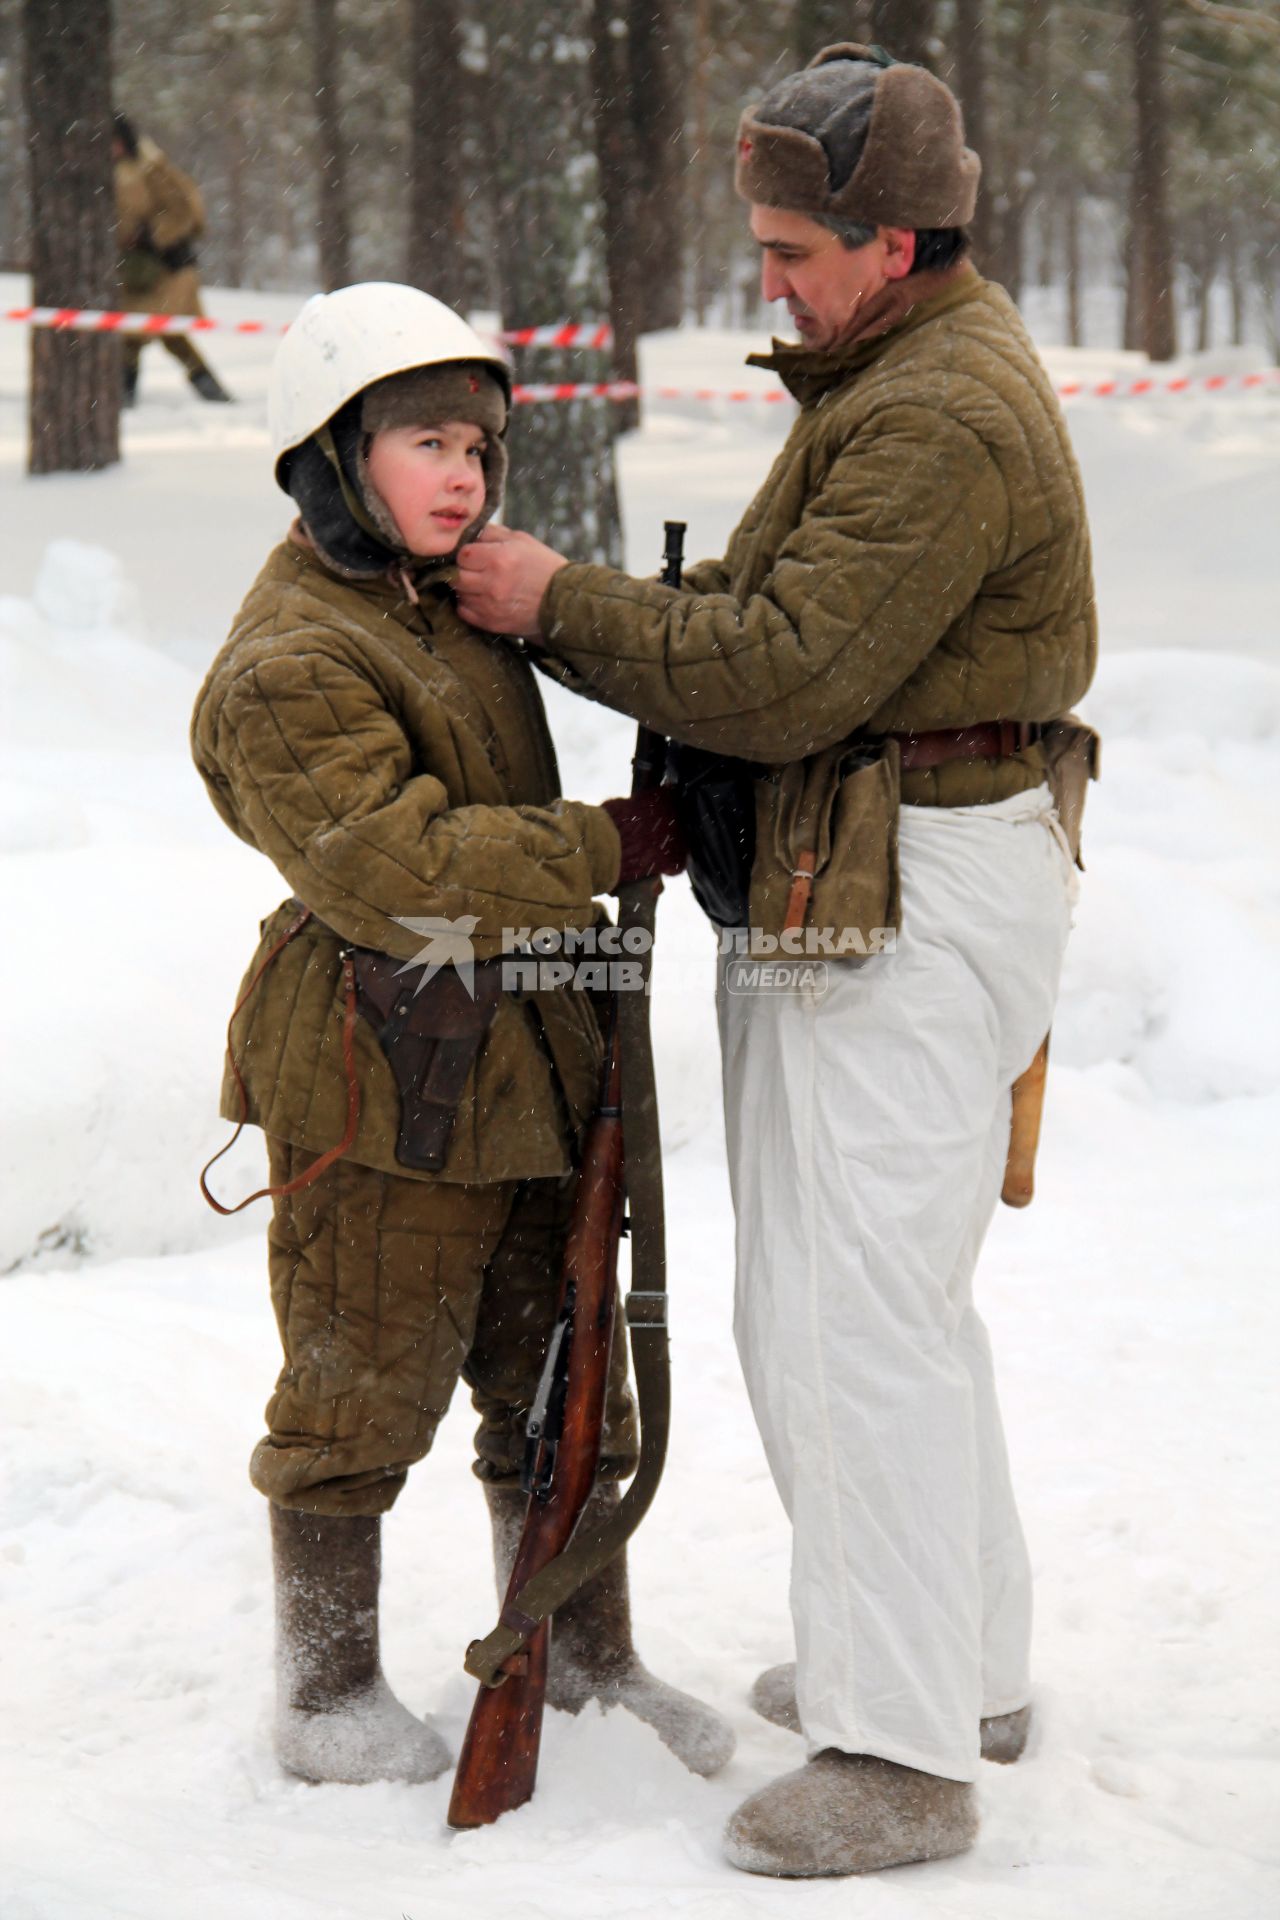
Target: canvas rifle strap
{"x": 646, "y": 1311}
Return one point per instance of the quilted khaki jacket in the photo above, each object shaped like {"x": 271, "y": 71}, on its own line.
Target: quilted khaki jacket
{"x": 394, "y": 764}
{"x": 155, "y": 199}
{"x": 918, "y": 557}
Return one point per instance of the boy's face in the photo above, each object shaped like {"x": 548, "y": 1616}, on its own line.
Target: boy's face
{"x": 432, "y": 482}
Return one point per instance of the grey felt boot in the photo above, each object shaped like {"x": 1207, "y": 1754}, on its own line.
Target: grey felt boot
{"x": 336, "y": 1717}
{"x": 1003, "y": 1735}
{"x": 850, "y": 1813}
{"x": 592, "y": 1655}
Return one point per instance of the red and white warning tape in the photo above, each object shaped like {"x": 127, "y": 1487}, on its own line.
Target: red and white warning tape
{"x": 1069, "y": 390}
{"x": 571, "y": 334}
{"x": 568, "y": 333}
{"x": 589, "y": 335}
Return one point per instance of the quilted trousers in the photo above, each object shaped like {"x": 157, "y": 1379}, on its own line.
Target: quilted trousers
{"x": 386, "y": 1291}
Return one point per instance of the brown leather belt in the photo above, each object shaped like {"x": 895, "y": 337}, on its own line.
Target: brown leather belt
{"x": 985, "y": 740}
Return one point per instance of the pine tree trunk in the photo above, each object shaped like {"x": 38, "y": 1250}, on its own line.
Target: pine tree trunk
{"x": 551, "y": 266}
{"x": 821, "y": 23}
{"x": 904, "y": 28}
{"x": 436, "y": 253}
{"x": 700, "y": 160}
{"x": 75, "y": 377}
{"x": 970, "y": 39}
{"x": 657, "y": 69}
{"x": 333, "y": 230}
{"x": 1075, "y": 316}
{"x": 1156, "y": 320}
{"x": 237, "y": 212}
{"x": 1235, "y": 280}
{"x": 616, "y": 159}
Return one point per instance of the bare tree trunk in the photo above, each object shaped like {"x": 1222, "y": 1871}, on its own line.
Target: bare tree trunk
{"x": 237, "y": 212}
{"x": 1135, "y": 255}
{"x": 436, "y": 256}
{"x": 1024, "y": 157}
{"x": 971, "y": 85}
{"x": 550, "y": 262}
{"x": 333, "y": 228}
{"x": 821, "y": 23}
{"x": 75, "y": 377}
{"x": 656, "y": 87}
{"x": 1235, "y": 280}
{"x": 904, "y": 28}
{"x": 1075, "y": 318}
{"x": 616, "y": 157}
{"x": 1153, "y": 246}
{"x": 699, "y": 203}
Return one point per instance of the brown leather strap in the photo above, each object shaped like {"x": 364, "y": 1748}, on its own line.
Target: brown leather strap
{"x": 985, "y": 740}
{"x": 327, "y": 1158}
{"x": 801, "y": 891}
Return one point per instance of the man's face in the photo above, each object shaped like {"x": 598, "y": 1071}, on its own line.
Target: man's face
{"x": 823, "y": 283}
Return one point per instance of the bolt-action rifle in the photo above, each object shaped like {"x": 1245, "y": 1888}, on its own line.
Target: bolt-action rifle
{"x": 621, "y": 1155}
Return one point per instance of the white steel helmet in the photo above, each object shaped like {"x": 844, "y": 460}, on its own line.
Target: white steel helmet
{"x": 342, "y": 342}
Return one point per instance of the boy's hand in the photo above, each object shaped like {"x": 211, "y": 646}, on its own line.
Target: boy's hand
{"x": 650, "y": 833}
{"x": 502, "y": 577}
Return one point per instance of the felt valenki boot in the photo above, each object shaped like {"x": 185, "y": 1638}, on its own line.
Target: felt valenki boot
{"x": 592, "y": 1655}
{"x": 1003, "y": 1735}
{"x": 850, "y": 1813}
{"x": 336, "y": 1717}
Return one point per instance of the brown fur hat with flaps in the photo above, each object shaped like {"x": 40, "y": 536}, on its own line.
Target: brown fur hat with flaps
{"x": 912, "y": 168}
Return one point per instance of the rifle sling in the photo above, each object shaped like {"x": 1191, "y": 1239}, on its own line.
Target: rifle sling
{"x": 646, "y": 1314}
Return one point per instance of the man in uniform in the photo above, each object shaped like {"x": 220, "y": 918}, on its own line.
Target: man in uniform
{"x": 902, "y": 619}
{"x": 159, "y": 217}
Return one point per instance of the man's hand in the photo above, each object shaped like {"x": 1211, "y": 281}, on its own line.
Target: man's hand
{"x": 502, "y": 577}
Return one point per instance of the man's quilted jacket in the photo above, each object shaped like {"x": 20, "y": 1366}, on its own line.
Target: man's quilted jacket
{"x": 917, "y": 558}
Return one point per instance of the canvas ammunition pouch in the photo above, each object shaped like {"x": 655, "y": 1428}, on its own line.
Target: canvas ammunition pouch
{"x": 430, "y": 1034}
{"x": 826, "y": 861}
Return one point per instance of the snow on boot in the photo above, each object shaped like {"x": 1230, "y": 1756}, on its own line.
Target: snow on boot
{"x": 336, "y": 1717}
{"x": 850, "y": 1813}
{"x": 774, "y": 1696}
{"x": 207, "y": 384}
{"x": 1003, "y": 1735}
{"x": 592, "y": 1655}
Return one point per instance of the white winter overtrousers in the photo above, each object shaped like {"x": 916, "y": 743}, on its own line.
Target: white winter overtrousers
{"x": 867, "y": 1130}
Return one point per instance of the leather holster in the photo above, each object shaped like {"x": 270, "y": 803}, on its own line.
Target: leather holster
{"x": 430, "y": 1037}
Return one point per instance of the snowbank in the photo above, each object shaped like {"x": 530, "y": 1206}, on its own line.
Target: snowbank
{"x": 1132, "y": 1308}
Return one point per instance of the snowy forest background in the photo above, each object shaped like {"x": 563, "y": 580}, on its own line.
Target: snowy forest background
{"x": 409, "y": 139}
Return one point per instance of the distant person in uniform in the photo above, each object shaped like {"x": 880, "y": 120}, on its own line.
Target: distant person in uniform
{"x": 159, "y": 217}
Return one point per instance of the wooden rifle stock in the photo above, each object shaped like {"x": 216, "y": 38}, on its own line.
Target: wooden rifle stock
{"x": 498, "y": 1764}
{"x": 499, "y": 1760}
{"x": 1024, "y": 1131}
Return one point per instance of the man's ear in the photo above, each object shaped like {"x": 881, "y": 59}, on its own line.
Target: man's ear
{"x": 899, "y": 251}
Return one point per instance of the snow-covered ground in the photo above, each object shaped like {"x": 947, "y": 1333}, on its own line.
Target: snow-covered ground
{"x": 1133, "y": 1308}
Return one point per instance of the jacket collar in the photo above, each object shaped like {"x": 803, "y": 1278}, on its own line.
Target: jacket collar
{"x": 903, "y": 308}
{"x": 399, "y": 589}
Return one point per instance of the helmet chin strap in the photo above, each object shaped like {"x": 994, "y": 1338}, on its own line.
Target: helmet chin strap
{"x": 351, "y": 499}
